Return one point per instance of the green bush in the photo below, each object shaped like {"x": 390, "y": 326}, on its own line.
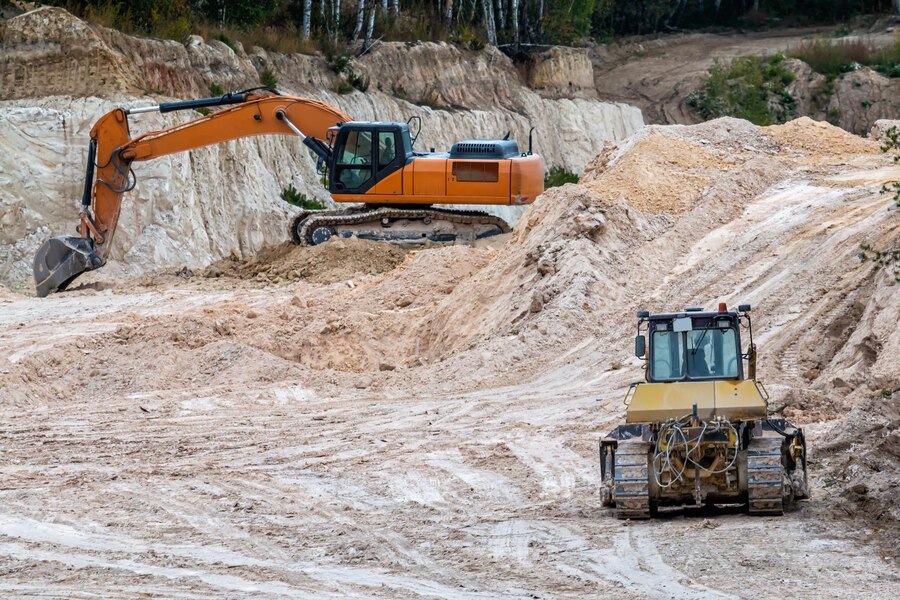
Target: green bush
{"x": 749, "y": 87}
{"x": 343, "y": 87}
{"x": 268, "y": 78}
{"x": 558, "y": 176}
{"x": 215, "y": 89}
{"x": 295, "y": 198}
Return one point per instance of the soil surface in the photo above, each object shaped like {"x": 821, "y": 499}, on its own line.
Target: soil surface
{"x": 425, "y": 424}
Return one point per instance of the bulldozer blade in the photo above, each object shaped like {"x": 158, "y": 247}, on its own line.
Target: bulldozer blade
{"x": 60, "y": 260}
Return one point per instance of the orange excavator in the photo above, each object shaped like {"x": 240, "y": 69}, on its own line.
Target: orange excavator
{"x": 371, "y": 164}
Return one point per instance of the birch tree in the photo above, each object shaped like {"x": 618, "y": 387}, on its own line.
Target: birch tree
{"x": 448, "y": 13}
{"x": 307, "y": 18}
{"x": 360, "y": 17}
{"x": 489, "y": 25}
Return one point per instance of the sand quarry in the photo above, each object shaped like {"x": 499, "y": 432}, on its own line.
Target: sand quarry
{"x": 355, "y": 420}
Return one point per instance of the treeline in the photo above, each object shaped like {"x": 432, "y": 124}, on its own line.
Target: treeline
{"x": 291, "y": 25}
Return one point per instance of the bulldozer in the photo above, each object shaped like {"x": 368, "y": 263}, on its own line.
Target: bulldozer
{"x": 697, "y": 431}
{"x": 371, "y": 165}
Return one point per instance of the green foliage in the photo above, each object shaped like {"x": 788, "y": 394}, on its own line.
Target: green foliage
{"x": 225, "y": 40}
{"x": 343, "y": 87}
{"x": 295, "y": 198}
{"x": 216, "y": 90}
{"x": 342, "y": 65}
{"x": 268, "y": 78}
{"x": 247, "y": 13}
{"x": 203, "y": 110}
{"x": 568, "y": 21}
{"x": 749, "y": 88}
{"x": 558, "y": 176}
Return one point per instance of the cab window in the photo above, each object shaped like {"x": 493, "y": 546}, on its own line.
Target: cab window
{"x": 354, "y": 164}
{"x": 387, "y": 148}
{"x": 667, "y": 350}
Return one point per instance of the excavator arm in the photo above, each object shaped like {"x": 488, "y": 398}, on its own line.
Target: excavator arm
{"x": 112, "y": 151}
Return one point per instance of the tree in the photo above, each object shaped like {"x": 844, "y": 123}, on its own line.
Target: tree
{"x": 307, "y": 18}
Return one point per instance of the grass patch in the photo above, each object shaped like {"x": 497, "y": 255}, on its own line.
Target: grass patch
{"x": 295, "y": 198}
{"x": 833, "y": 59}
{"x": 216, "y": 90}
{"x": 558, "y": 176}
{"x": 748, "y": 87}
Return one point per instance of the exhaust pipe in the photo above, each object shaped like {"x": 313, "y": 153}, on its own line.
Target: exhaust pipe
{"x": 60, "y": 260}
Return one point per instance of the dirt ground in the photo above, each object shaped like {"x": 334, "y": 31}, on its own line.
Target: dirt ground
{"x": 425, "y": 424}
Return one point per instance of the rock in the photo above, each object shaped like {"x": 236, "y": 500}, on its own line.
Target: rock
{"x": 403, "y": 301}
{"x": 881, "y": 127}
{"x": 562, "y": 72}
{"x": 363, "y": 383}
{"x": 860, "y": 488}
{"x": 386, "y": 367}
{"x": 537, "y": 302}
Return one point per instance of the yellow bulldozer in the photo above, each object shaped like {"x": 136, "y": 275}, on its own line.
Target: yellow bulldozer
{"x": 698, "y": 431}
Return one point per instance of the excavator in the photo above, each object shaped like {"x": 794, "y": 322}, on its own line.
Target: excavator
{"x": 372, "y": 165}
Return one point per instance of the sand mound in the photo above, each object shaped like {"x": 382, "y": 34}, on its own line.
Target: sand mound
{"x": 819, "y": 137}
{"x": 652, "y": 172}
{"x": 336, "y": 260}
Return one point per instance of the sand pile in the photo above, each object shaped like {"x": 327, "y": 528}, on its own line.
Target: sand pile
{"x": 653, "y": 172}
{"x": 819, "y": 137}
{"x": 336, "y": 260}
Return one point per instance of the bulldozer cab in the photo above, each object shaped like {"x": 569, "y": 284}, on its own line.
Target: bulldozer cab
{"x": 365, "y": 153}
{"x": 693, "y": 345}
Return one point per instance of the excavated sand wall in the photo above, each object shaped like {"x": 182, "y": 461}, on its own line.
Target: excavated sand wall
{"x": 59, "y": 74}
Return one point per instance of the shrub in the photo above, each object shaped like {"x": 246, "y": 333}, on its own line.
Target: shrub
{"x": 558, "y": 176}
{"x": 343, "y": 87}
{"x": 749, "y": 87}
{"x": 216, "y": 90}
{"x": 268, "y": 78}
{"x": 295, "y": 198}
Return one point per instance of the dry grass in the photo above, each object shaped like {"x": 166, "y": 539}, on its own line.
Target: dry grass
{"x": 833, "y": 58}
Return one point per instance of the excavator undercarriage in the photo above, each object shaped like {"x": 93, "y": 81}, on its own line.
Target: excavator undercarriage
{"x": 404, "y": 225}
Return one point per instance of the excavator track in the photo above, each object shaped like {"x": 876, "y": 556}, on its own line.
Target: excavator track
{"x": 765, "y": 476}
{"x": 397, "y": 225}
{"x": 632, "y": 480}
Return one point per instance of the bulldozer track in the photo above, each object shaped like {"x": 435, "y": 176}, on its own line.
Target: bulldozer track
{"x": 632, "y": 480}
{"x": 307, "y": 222}
{"x": 765, "y": 476}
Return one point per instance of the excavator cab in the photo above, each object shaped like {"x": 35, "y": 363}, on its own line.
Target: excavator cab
{"x": 365, "y": 153}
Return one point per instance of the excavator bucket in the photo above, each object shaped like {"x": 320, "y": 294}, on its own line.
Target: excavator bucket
{"x": 60, "y": 260}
